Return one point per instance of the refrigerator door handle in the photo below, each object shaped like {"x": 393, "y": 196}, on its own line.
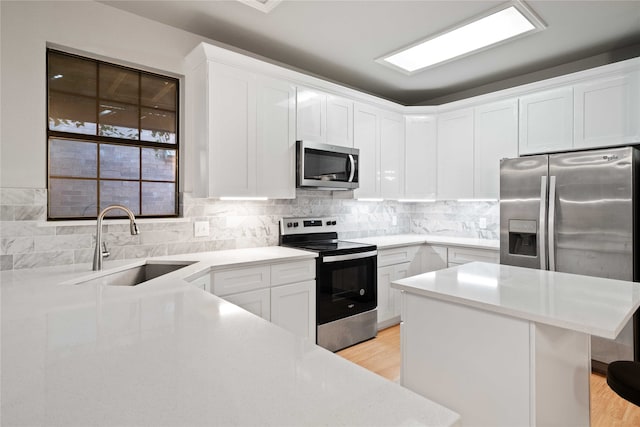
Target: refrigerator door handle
{"x": 542, "y": 232}
{"x": 552, "y": 223}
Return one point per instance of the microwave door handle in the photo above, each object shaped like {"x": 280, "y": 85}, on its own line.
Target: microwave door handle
{"x": 352, "y": 168}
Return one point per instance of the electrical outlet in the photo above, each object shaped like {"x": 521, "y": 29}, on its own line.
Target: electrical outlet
{"x": 201, "y": 228}
{"x": 482, "y": 223}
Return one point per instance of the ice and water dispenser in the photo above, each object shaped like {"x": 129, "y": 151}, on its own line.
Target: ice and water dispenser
{"x": 523, "y": 237}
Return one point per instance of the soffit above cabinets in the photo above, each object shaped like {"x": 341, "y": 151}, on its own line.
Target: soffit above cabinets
{"x": 340, "y": 40}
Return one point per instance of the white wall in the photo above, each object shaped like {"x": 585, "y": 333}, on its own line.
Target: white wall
{"x": 27, "y": 28}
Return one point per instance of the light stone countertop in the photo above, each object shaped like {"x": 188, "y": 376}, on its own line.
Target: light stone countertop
{"x": 168, "y": 354}
{"x": 392, "y": 241}
{"x": 592, "y": 305}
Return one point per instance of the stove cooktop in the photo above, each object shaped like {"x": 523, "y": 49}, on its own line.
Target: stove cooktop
{"x": 318, "y": 235}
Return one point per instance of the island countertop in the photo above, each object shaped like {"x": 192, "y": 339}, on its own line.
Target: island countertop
{"x": 167, "y": 353}
{"x": 596, "y": 306}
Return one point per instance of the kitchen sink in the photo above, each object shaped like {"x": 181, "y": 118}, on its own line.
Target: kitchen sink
{"x": 133, "y": 276}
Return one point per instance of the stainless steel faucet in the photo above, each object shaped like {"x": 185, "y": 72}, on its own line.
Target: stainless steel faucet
{"x": 99, "y": 254}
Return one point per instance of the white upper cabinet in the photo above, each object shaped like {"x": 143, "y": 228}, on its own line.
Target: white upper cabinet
{"x": 233, "y": 132}
{"x": 339, "y": 121}
{"x": 455, "y": 155}
{"x": 242, "y": 133}
{"x": 367, "y": 140}
{"x": 391, "y": 155}
{"x": 495, "y": 137}
{"x": 546, "y": 121}
{"x": 607, "y": 111}
{"x": 324, "y": 118}
{"x": 420, "y": 157}
{"x": 276, "y": 130}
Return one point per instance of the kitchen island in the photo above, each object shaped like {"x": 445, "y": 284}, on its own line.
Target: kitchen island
{"x": 506, "y": 346}
{"x": 165, "y": 353}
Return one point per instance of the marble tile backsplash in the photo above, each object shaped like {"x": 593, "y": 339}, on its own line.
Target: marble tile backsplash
{"x": 27, "y": 240}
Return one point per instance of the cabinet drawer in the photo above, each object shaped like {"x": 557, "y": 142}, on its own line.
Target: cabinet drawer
{"x": 292, "y": 272}
{"x": 396, "y": 255}
{"x": 465, "y": 255}
{"x": 241, "y": 280}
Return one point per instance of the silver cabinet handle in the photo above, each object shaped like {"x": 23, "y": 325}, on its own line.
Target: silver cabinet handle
{"x": 542, "y": 231}
{"x": 347, "y": 257}
{"x": 552, "y": 223}
{"x": 353, "y": 167}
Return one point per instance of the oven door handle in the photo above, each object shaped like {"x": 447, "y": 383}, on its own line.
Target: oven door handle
{"x": 347, "y": 257}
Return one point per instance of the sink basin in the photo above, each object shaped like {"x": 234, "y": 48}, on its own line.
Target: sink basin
{"x": 135, "y": 275}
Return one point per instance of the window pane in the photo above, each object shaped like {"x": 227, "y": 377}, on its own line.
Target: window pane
{"x": 71, "y": 113}
{"x": 72, "y": 75}
{"x": 72, "y": 198}
{"x": 158, "y": 198}
{"x": 158, "y": 164}
{"x": 158, "y": 126}
{"x": 118, "y": 120}
{"x": 124, "y": 193}
{"x": 119, "y": 162}
{"x": 118, "y": 84}
{"x": 73, "y": 158}
{"x": 158, "y": 92}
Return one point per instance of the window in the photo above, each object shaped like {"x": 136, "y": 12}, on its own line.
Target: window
{"x": 112, "y": 139}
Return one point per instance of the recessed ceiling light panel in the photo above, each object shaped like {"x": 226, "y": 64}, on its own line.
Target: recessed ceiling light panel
{"x": 265, "y": 6}
{"x": 496, "y": 26}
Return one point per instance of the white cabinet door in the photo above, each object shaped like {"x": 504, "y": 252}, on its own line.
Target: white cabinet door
{"x": 311, "y": 120}
{"x": 233, "y": 132}
{"x": 420, "y": 171}
{"x": 495, "y": 137}
{"x": 367, "y": 140}
{"x": 339, "y": 121}
{"x": 256, "y": 302}
{"x": 392, "y": 156}
{"x": 275, "y": 158}
{"x": 455, "y": 155}
{"x": 432, "y": 258}
{"x": 324, "y": 118}
{"x": 389, "y": 298}
{"x": 293, "y": 307}
{"x": 546, "y": 121}
{"x": 607, "y": 112}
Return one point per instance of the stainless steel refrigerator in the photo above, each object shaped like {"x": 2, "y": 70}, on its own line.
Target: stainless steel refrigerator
{"x": 576, "y": 213}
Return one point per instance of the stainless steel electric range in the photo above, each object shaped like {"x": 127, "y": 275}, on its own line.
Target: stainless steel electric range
{"x": 346, "y": 281}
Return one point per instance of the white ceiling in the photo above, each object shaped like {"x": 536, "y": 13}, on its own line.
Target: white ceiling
{"x": 340, "y": 40}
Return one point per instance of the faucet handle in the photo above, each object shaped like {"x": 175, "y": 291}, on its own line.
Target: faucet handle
{"x": 105, "y": 251}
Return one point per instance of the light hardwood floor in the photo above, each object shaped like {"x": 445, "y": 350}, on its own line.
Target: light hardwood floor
{"x": 382, "y": 356}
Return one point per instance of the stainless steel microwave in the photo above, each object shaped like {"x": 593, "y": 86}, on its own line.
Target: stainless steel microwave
{"x": 326, "y": 167}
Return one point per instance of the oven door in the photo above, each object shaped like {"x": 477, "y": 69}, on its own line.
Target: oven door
{"x": 346, "y": 285}
{"x": 326, "y": 166}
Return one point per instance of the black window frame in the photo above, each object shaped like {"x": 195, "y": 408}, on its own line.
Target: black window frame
{"x": 98, "y": 140}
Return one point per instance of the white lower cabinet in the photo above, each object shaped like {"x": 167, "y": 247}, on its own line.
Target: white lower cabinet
{"x": 283, "y": 293}
{"x": 293, "y": 307}
{"x": 256, "y": 302}
{"x": 432, "y": 258}
{"x": 389, "y": 298}
{"x": 458, "y": 256}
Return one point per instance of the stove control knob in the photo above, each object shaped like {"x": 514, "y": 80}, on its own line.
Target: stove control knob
{"x": 328, "y": 222}
{"x": 295, "y": 224}
{"x": 289, "y": 225}
{"x": 333, "y": 223}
